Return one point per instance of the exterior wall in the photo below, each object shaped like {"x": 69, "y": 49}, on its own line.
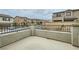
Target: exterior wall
{"x": 29, "y": 22}
{"x": 75, "y": 35}
{"x": 57, "y": 18}
{"x": 59, "y": 23}
{"x": 68, "y": 37}
{"x": 35, "y": 21}
{"x": 12, "y": 37}
{"x": 6, "y": 23}
{"x": 20, "y": 21}
{"x": 59, "y": 26}
{"x": 12, "y": 20}
{"x": 76, "y": 14}
{"x": 38, "y": 21}
{"x": 56, "y": 35}
{"x": 32, "y": 30}
{"x": 1, "y": 19}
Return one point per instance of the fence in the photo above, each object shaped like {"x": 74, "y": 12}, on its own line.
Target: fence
{"x": 64, "y": 28}
{"x": 8, "y": 29}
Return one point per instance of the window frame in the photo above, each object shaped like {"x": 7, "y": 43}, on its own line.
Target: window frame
{"x": 68, "y": 13}
{"x": 5, "y": 19}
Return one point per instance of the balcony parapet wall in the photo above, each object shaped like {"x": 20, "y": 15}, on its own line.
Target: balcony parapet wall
{"x": 69, "y": 37}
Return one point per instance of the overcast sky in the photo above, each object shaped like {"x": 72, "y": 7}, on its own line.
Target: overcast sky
{"x": 31, "y": 13}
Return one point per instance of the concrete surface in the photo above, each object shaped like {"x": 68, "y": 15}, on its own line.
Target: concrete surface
{"x": 38, "y": 43}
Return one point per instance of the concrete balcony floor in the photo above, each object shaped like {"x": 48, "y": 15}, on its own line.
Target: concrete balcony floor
{"x": 38, "y": 43}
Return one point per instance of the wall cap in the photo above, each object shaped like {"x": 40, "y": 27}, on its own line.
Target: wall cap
{"x": 75, "y": 25}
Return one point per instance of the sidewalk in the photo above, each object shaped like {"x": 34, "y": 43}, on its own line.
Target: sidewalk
{"x": 38, "y": 43}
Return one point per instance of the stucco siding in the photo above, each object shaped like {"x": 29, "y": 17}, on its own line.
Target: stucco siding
{"x": 12, "y": 37}
{"x": 0, "y": 18}
{"x": 61, "y": 36}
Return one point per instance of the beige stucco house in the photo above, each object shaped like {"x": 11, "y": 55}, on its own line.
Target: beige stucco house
{"x": 38, "y": 21}
{"x": 19, "y": 20}
{"x": 63, "y": 20}
{"x": 66, "y": 16}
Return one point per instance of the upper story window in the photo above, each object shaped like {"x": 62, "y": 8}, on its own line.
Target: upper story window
{"x": 62, "y": 14}
{"x": 58, "y": 15}
{"x": 6, "y": 19}
{"x": 54, "y": 15}
{"x": 68, "y": 13}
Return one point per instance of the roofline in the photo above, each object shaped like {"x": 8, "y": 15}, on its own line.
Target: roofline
{"x": 38, "y": 19}
{"x": 5, "y": 15}
{"x": 21, "y": 16}
{"x": 67, "y": 10}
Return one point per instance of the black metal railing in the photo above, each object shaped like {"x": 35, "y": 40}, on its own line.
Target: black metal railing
{"x": 8, "y": 29}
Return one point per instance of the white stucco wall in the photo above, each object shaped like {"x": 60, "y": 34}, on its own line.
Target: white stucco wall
{"x": 14, "y": 36}
{"x": 61, "y": 36}
{"x": 11, "y": 20}
{"x": 0, "y": 18}
{"x": 68, "y": 37}
{"x": 75, "y": 36}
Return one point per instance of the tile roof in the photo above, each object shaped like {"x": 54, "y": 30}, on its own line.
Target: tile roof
{"x": 67, "y": 10}
{"x": 4, "y": 15}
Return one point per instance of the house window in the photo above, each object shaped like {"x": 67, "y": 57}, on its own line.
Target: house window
{"x": 63, "y": 14}
{"x": 6, "y": 19}
{"x": 68, "y": 13}
{"x": 57, "y": 20}
{"x": 54, "y": 15}
{"x": 58, "y": 15}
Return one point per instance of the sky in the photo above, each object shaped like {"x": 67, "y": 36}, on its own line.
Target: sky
{"x": 31, "y": 13}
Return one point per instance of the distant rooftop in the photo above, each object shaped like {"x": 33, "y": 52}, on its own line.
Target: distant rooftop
{"x": 4, "y": 15}
{"x": 31, "y": 18}
{"x": 38, "y": 19}
{"x": 67, "y": 10}
{"x": 20, "y": 17}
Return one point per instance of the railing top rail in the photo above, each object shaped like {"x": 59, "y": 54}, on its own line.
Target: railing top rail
{"x": 57, "y": 24}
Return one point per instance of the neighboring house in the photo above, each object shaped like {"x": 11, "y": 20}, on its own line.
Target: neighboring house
{"x": 6, "y": 20}
{"x": 66, "y": 16}
{"x": 21, "y": 21}
{"x": 28, "y": 21}
{"x": 63, "y": 20}
{"x": 38, "y": 21}
{"x": 35, "y": 21}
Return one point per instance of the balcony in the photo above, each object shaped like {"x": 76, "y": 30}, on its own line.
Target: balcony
{"x": 35, "y": 38}
{"x": 66, "y": 18}
{"x": 57, "y": 18}
{"x": 70, "y": 18}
